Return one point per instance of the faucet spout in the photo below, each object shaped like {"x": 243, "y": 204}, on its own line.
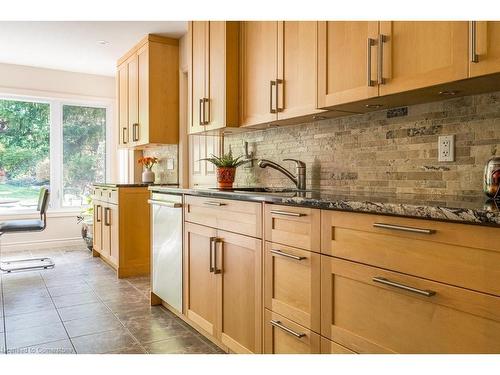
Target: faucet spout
{"x": 299, "y": 179}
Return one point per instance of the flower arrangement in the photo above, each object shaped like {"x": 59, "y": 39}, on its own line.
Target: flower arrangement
{"x": 147, "y": 161}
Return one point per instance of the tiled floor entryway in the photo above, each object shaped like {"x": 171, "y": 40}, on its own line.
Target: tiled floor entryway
{"x": 81, "y": 307}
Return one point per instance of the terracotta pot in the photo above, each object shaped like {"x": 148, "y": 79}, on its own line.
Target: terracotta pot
{"x": 225, "y": 177}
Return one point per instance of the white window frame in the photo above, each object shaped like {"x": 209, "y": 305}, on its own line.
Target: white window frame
{"x": 56, "y": 142}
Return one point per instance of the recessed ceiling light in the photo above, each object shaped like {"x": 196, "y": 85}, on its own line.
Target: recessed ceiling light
{"x": 102, "y": 42}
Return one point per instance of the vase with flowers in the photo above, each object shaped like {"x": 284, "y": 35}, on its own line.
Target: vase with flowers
{"x": 147, "y": 162}
{"x": 226, "y": 168}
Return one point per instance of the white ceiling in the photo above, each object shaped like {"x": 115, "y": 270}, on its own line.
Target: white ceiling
{"x": 73, "y": 46}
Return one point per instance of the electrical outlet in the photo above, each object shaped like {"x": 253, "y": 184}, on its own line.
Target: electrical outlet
{"x": 170, "y": 164}
{"x": 446, "y": 148}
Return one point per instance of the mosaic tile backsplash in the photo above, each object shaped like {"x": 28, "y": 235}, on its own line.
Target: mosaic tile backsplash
{"x": 372, "y": 153}
{"x": 163, "y": 175}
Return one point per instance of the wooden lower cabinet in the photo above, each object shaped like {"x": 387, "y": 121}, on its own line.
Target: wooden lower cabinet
{"x": 121, "y": 229}
{"x": 200, "y": 287}
{"x": 223, "y": 287}
{"x": 372, "y": 310}
{"x": 292, "y": 284}
{"x": 282, "y": 336}
{"x": 330, "y": 347}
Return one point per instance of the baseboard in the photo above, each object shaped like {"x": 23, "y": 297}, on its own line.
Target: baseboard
{"x": 42, "y": 244}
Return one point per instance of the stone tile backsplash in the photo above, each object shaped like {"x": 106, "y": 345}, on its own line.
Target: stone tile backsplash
{"x": 164, "y": 153}
{"x": 372, "y": 153}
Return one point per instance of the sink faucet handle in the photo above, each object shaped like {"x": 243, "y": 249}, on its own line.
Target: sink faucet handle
{"x": 299, "y": 163}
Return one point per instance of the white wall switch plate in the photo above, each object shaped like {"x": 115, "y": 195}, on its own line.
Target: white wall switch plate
{"x": 446, "y": 148}
{"x": 170, "y": 164}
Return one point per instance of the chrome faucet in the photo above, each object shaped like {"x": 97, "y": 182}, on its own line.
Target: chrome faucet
{"x": 299, "y": 180}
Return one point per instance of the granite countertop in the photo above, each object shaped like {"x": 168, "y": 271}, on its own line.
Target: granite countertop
{"x": 466, "y": 209}
{"x": 139, "y": 184}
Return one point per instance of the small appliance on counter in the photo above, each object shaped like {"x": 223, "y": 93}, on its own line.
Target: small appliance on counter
{"x": 492, "y": 178}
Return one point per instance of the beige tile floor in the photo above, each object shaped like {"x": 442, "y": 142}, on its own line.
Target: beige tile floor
{"x": 81, "y": 307}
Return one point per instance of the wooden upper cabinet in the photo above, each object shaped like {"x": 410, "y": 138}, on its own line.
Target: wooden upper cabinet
{"x": 297, "y": 50}
{"x": 347, "y": 62}
{"x": 258, "y": 72}
{"x": 148, "y": 93}
{"x": 214, "y": 71}
{"x": 422, "y": 54}
{"x": 484, "y": 48}
{"x": 122, "y": 92}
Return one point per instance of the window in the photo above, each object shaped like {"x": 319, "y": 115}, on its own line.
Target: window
{"x": 50, "y": 143}
{"x": 84, "y": 151}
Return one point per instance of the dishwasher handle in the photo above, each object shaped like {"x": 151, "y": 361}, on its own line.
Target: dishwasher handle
{"x": 165, "y": 203}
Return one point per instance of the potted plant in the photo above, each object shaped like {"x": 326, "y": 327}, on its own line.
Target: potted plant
{"x": 147, "y": 162}
{"x": 226, "y": 168}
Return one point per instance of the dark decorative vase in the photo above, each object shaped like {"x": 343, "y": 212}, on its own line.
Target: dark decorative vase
{"x": 225, "y": 177}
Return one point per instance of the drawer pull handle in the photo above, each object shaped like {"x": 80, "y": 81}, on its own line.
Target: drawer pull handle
{"x": 287, "y": 213}
{"x": 286, "y": 255}
{"x": 214, "y": 203}
{"x": 382, "y": 280}
{"x": 403, "y": 228}
{"x": 278, "y": 324}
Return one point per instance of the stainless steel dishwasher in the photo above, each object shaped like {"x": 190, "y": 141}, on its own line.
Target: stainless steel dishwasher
{"x": 166, "y": 245}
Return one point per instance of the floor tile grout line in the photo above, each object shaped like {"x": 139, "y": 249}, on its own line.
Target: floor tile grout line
{"x": 117, "y": 318}
{"x": 59, "y": 315}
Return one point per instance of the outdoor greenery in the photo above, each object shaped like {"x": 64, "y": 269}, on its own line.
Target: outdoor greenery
{"x": 25, "y": 149}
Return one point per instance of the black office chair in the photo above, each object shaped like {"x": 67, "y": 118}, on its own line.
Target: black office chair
{"x": 28, "y": 225}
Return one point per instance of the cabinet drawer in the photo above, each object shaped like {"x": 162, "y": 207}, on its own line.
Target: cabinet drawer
{"x": 282, "y": 336}
{"x": 370, "y": 310}
{"x": 292, "y": 284}
{"x": 97, "y": 194}
{"x": 231, "y": 215}
{"x": 111, "y": 196}
{"x": 330, "y": 347}
{"x": 293, "y": 226}
{"x": 456, "y": 254}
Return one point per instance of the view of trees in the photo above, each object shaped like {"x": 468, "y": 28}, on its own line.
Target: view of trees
{"x": 25, "y": 150}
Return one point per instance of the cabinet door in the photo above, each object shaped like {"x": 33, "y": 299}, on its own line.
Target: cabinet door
{"x": 199, "y": 73}
{"x": 297, "y": 45}
{"x": 486, "y": 48}
{"x": 113, "y": 224}
{"x": 97, "y": 230}
{"x": 422, "y": 54}
{"x": 282, "y": 336}
{"x": 106, "y": 232}
{"x": 258, "y": 68}
{"x": 123, "y": 135}
{"x": 238, "y": 267}
{"x": 200, "y": 289}
{"x": 292, "y": 284}
{"x": 140, "y": 133}
{"x": 133, "y": 97}
{"x": 346, "y": 62}
{"x": 373, "y": 310}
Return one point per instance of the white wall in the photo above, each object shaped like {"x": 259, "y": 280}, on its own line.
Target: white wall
{"x": 62, "y": 229}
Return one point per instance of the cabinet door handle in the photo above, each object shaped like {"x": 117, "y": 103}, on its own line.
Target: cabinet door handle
{"x": 380, "y": 64}
{"x": 216, "y": 241}
{"x": 200, "y": 112}
{"x": 370, "y": 43}
{"x": 287, "y": 213}
{"x": 404, "y": 229}
{"x": 135, "y": 134}
{"x": 278, "y": 324}
{"x": 382, "y": 280}
{"x": 206, "y": 112}
{"x": 124, "y": 132}
{"x": 286, "y": 255}
{"x": 211, "y": 254}
{"x": 278, "y": 108}
{"x": 211, "y": 203}
{"x": 97, "y": 210}
{"x": 107, "y": 219}
{"x": 474, "y": 57}
{"x": 271, "y": 94}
